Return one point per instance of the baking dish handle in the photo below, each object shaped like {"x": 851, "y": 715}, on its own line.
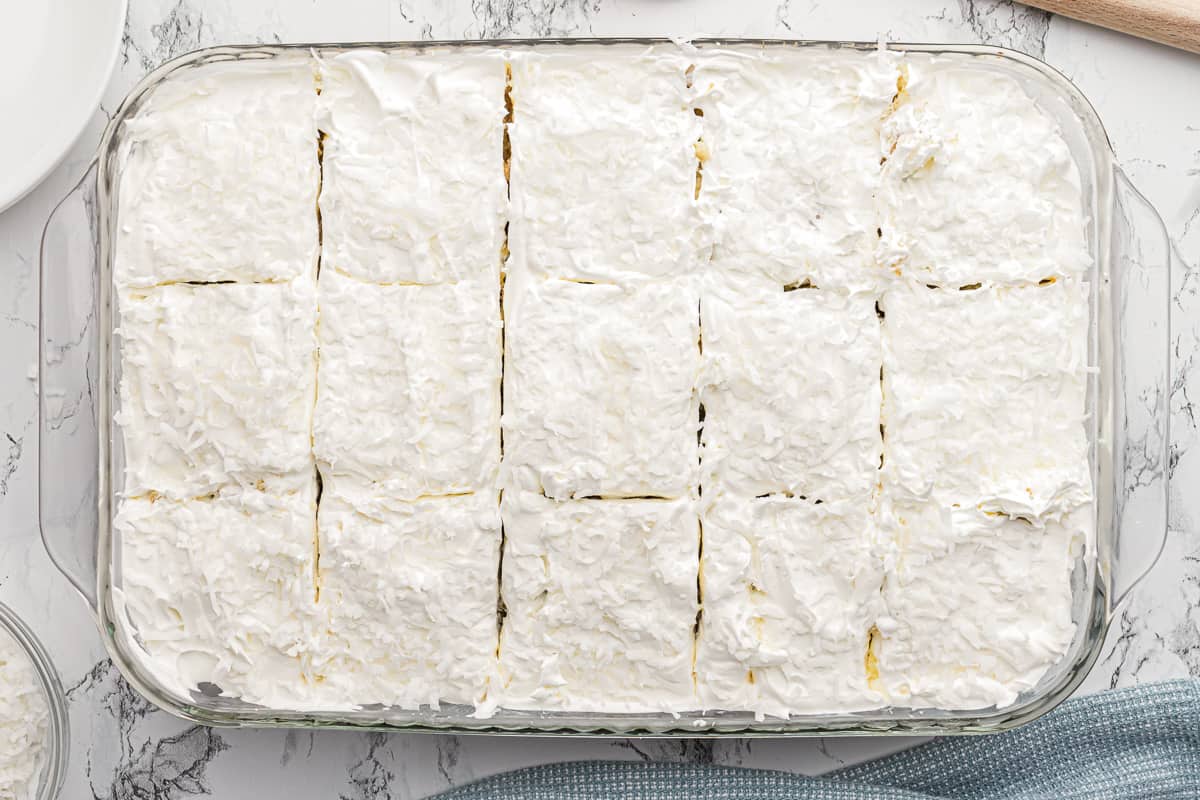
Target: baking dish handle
{"x": 69, "y": 401}
{"x": 1143, "y": 261}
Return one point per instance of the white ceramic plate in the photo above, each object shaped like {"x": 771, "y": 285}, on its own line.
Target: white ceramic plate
{"x": 55, "y": 61}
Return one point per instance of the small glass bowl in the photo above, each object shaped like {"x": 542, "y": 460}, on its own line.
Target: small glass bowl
{"x": 54, "y": 764}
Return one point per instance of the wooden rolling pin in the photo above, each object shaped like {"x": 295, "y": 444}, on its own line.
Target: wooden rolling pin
{"x": 1172, "y": 22}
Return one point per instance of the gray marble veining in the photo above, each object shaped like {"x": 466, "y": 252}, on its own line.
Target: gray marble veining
{"x": 499, "y": 18}
{"x": 1007, "y": 24}
{"x": 167, "y": 767}
{"x": 124, "y": 748}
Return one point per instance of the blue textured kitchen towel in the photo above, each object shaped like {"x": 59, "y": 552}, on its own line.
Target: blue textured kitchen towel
{"x": 1130, "y": 743}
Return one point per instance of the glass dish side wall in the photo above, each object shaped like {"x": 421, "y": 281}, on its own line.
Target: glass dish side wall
{"x": 1107, "y": 398}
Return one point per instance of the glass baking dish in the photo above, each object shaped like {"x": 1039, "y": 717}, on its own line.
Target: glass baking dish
{"x": 1127, "y": 400}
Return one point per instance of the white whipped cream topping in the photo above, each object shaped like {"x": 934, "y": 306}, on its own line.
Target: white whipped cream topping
{"x": 979, "y": 184}
{"x": 408, "y": 597}
{"x": 222, "y": 591}
{"x": 978, "y": 604}
{"x": 219, "y": 175}
{"x": 599, "y": 396}
{"x": 24, "y": 723}
{"x": 409, "y": 385}
{"x": 983, "y": 390}
{"x": 985, "y": 395}
{"x": 217, "y": 385}
{"x": 792, "y": 145}
{"x": 413, "y": 185}
{"x": 791, "y": 393}
{"x": 603, "y": 164}
{"x": 601, "y": 603}
{"x": 790, "y": 590}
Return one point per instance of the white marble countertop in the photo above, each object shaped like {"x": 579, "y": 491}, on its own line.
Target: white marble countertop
{"x": 1147, "y": 95}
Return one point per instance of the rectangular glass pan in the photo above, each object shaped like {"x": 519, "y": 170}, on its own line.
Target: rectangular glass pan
{"x": 1127, "y": 422}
